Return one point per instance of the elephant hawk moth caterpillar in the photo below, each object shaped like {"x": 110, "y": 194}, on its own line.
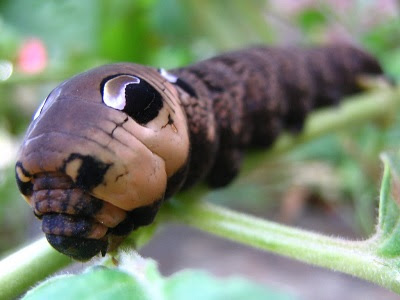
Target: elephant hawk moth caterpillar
{"x": 107, "y": 146}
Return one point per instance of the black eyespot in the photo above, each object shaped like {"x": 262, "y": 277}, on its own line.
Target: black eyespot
{"x": 132, "y": 95}
{"x": 143, "y": 102}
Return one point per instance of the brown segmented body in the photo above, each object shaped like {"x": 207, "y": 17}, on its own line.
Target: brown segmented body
{"x": 110, "y": 144}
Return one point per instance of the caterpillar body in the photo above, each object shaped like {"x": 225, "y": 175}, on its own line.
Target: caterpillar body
{"x": 107, "y": 146}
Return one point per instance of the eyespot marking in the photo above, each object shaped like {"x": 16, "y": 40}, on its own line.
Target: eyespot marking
{"x": 23, "y": 180}
{"x": 72, "y": 168}
{"x": 21, "y": 173}
{"x": 132, "y": 95}
{"x": 90, "y": 173}
{"x": 114, "y": 91}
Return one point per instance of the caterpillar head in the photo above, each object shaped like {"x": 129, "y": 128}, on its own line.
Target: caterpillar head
{"x": 100, "y": 154}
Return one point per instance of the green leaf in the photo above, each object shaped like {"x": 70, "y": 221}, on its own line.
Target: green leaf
{"x": 138, "y": 278}
{"x": 310, "y": 19}
{"x": 197, "y": 285}
{"x": 383, "y": 37}
{"x": 391, "y": 63}
{"x": 96, "y": 284}
{"x": 64, "y": 28}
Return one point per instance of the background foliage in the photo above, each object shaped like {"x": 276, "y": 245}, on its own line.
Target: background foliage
{"x": 337, "y": 174}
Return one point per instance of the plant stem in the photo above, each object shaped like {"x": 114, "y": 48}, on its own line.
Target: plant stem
{"x": 352, "y": 257}
{"x": 27, "y": 267}
{"x": 377, "y": 105}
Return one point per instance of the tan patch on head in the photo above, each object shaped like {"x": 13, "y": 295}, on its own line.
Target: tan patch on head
{"x": 72, "y": 168}
{"x": 21, "y": 175}
{"x": 137, "y": 179}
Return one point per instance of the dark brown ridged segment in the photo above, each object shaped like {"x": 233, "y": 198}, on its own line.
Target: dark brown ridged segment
{"x": 246, "y": 98}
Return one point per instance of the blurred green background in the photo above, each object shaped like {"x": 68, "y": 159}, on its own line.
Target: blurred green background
{"x": 44, "y": 42}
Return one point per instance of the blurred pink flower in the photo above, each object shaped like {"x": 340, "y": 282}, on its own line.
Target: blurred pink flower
{"x": 32, "y": 56}
{"x": 387, "y": 7}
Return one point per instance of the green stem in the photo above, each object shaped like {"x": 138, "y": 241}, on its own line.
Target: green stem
{"x": 352, "y": 257}
{"x": 378, "y": 105}
{"x": 28, "y": 266}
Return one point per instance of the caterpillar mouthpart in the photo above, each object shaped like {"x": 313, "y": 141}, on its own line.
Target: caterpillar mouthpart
{"x": 78, "y": 224}
{"x": 75, "y": 223}
{"x": 81, "y": 249}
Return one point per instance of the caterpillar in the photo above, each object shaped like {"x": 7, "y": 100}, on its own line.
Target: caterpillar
{"x": 107, "y": 146}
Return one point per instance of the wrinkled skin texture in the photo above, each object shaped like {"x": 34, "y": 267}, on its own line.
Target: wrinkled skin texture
{"x": 109, "y": 145}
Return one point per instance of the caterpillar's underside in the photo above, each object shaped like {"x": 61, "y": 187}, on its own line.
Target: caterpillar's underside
{"x": 107, "y": 146}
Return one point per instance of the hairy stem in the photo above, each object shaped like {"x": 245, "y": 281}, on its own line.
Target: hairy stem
{"x": 357, "y": 258}
{"x": 26, "y": 267}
